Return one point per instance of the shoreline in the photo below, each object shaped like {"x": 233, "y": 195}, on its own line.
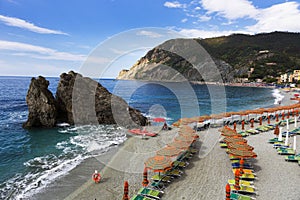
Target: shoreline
{"x": 77, "y": 183}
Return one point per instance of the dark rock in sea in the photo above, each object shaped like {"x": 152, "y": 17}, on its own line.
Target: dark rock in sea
{"x": 82, "y": 100}
{"x": 41, "y": 104}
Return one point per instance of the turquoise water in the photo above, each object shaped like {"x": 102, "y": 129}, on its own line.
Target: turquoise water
{"x": 29, "y": 159}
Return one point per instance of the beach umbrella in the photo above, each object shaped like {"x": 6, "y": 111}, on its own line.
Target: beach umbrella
{"x": 189, "y": 134}
{"x": 282, "y": 116}
{"x": 252, "y": 123}
{"x": 125, "y": 195}
{"x": 237, "y": 179}
{"x": 277, "y": 117}
{"x": 235, "y": 140}
{"x": 179, "y": 145}
{"x": 169, "y": 151}
{"x": 243, "y": 125}
{"x": 159, "y": 119}
{"x": 145, "y": 178}
{"x": 230, "y": 133}
{"x": 260, "y": 120}
{"x": 241, "y": 146}
{"x": 189, "y": 139}
{"x": 294, "y": 144}
{"x": 276, "y": 130}
{"x": 234, "y": 126}
{"x": 158, "y": 163}
{"x": 241, "y": 165}
{"x": 295, "y": 122}
{"x": 269, "y": 119}
{"x": 287, "y": 125}
{"x": 227, "y": 189}
{"x": 242, "y": 153}
{"x": 280, "y": 134}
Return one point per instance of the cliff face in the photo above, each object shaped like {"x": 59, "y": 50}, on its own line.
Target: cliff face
{"x": 79, "y": 100}
{"x": 219, "y": 59}
{"x": 179, "y": 60}
{"x": 41, "y": 104}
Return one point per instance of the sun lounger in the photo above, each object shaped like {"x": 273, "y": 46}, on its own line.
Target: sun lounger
{"x": 245, "y": 165}
{"x": 236, "y": 196}
{"x": 150, "y": 193}
{"x": 292, "y": 158}
{"x": 242, "y": 182}
{"x": 158, "y": 185}
{"x": 247, "y": 177}
{"x": 290, "y": 134}
{"x": 173, "y": 172}
{"x": 273, "y": 140}
{"x": 243, "y": 133}
{"x": 164, "y": 178}
{"x": 139, "y": 197}
{"x": 252, "y": 131}
{"x": 243, "y": 189}
{"x": 287, "y": 151}
{"x": 246, "y": 171}
{"x": 180, "y": 164}
{"x": 223, "y": 145}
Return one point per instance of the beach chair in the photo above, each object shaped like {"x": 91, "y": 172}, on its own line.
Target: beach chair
{"x": 223, "y": 145}
{"x": 158, "y": 185}
{"x": 246, "y": 171}
{"x": 273, "y": 140}
{"x": 173, "y": 172}
{"x": 290, "y": 134}
{"x": 292, "y": 158}
{"x": 286, "y": 151}
{"x": 162, "y": 178}
{"x": 242, "y": 182}
{"x": 180, "y": 164}
{"x": 236, "y": 196}
{"x": 245, "y": 165}
{"x": 243, "y": 189}
{"x": 156, "y": 194}
{"x": 248, "y": 177}
{"x": 252, "y": 131}
{"x": 139, "y": 197}
{"x": 243, "y": 133}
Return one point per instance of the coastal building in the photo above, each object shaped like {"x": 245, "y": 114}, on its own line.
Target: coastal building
{"x": 283, "y": 78}
{"x": 296, "y": 75}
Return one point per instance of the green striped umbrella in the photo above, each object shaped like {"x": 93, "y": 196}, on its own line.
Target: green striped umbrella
{"x": 158, "y": 163}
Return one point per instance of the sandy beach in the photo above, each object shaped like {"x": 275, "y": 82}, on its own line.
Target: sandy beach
{"x": 204, "y": 178}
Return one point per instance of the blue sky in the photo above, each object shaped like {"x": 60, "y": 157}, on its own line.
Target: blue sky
{"x": 48, "y": 37}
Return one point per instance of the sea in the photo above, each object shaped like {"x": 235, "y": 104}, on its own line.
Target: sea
{"x": 32, "y": 159}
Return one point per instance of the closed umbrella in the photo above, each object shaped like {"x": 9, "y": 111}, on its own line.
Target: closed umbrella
{"x": 145, "y": 178}
{"x": 125, "y": 195}
{"x": 295, "y": 141}
{"x": 280, "y": 134}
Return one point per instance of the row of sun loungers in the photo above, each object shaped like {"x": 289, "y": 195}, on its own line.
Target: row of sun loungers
{"x": 154, "y": 191}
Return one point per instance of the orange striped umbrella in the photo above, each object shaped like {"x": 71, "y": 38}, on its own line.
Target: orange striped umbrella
{"x": 242, "y": 153}
{"x": 189, "y": 139}
{"x": 187, "y": 134}
{"x": 145, "y": 178}
{"x": 242, "y": 146}
{"x": 179, "y": 145}
{"x": 158, "y": 163}
{"x": 235, "y": 140}
{"x": 169, "y": 151}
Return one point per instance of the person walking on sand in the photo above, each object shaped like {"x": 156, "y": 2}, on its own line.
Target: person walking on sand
{"x": 96, "y": 177}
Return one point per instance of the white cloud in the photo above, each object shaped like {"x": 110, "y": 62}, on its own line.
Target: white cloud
{"x": 16, "y": 22}
{"x": 196, "y": 33}
{"x": 184, "y": 20}
{"x": 197, "y": 8}
{"x": 174, "y": 4}
{"x": 149, "y": 34}
{"x": 23, "y": 49}
{"x": 280, "y": 17}
{"x": 204, "y": 18}
{"x": 230, "y": 9}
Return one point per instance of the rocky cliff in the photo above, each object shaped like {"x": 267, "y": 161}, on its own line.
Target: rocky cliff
{"x": 220, "y": 59}
{"x": 41, "y": 104}
{"x": 79, "y": 100}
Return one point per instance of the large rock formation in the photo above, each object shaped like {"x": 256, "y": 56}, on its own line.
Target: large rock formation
{"x": 79, "y": 100}
{"x": 41, "y": 104}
